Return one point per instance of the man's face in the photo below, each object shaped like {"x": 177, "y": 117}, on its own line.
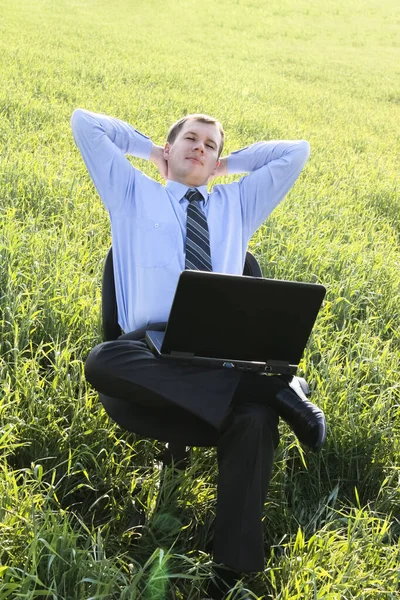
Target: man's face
{"x": 193, "y": 157}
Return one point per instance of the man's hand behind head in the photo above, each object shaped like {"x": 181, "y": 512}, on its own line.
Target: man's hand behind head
{"x": 222, "y": 168}
{"x": 157, "y": 157}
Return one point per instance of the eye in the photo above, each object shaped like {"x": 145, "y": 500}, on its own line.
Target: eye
{"x": 189, "y": 137}
{"x": 210, "y": 146}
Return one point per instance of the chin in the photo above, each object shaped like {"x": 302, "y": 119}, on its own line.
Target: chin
{"x": 195, "y": 182}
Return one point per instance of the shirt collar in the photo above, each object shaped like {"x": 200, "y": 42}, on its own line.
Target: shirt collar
{"x": 179, "y": 190}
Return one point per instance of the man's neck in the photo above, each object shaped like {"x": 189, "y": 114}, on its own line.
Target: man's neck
{"x": 189, "y": 184}
{"x": 179, "y": 189}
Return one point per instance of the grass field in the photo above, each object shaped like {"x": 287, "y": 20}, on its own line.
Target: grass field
{"x": 70, "y": 479}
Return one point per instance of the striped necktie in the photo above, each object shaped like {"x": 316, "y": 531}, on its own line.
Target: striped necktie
{"x": 198, "y": 257}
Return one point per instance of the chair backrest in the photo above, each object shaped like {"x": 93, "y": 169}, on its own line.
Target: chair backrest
{"x": 111, "y": 329}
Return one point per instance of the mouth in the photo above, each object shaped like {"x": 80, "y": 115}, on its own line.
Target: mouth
{"x": 195, "y": 160}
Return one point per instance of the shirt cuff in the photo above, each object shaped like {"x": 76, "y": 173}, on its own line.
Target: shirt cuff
{"x": 143, "y": 146}
{"x": 235, "y": 162}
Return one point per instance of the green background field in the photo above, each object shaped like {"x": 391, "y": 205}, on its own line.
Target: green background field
{"x": 328, "y": 72}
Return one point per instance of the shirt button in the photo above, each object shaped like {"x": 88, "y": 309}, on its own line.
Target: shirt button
{"x": 156, "y": 225}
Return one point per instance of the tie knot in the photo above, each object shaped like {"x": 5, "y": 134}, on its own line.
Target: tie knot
{"x": 193, "y": 195}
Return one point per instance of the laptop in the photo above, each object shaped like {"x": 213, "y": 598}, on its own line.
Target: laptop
{"x": 239, "y": 322}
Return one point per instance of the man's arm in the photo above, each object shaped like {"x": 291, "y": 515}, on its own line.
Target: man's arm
{"x": 103, "y": 142}
{"x": 273, "y": 168}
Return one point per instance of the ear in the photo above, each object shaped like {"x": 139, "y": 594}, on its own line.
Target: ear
{"x": 167, "y": 148}
{"x": 214, "y": 171}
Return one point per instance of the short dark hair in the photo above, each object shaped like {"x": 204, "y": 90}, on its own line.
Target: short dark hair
{"x": 176, "y": 127}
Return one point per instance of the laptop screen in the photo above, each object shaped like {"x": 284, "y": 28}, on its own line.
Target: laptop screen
{"x": 242, "y": 318}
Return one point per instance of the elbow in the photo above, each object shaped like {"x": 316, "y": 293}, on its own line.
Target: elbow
{"x": 305, "y": 147}
{"x": 76, "y": 118}
{"x": 302, "y": 152}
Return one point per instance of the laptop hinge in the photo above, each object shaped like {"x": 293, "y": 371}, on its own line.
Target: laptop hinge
{"x": 277, "y": 366}
{"x": 177, "y": 354}
{"x": 278, "y": 363}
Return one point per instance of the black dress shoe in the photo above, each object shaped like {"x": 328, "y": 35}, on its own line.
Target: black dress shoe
{"x": 305, "y": 419}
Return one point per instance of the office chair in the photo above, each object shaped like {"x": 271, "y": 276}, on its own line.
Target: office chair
{"x": 139, "y": 420}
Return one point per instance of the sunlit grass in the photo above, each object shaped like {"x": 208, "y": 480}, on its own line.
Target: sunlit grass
{"x": 71, "y": 481}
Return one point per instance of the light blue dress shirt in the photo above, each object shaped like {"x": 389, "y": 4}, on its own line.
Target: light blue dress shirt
{"x": 148, "y": 220}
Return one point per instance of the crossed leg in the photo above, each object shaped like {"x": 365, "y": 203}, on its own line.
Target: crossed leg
{"x": 172, "y": 401}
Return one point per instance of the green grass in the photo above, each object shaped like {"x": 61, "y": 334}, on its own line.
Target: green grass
{"x": 71, "y": 480}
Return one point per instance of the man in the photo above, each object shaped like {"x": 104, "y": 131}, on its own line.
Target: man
{"x": 154, "y": 231}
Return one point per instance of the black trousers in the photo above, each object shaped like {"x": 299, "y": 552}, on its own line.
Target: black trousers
{"x": 192, "y": 405}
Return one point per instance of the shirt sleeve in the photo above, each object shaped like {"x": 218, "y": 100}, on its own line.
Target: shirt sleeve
{"x": 274, "y": 167}
{"x": 103, "y": 142}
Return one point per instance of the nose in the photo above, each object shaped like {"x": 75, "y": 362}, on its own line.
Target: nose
{"x": 199, "y": 145}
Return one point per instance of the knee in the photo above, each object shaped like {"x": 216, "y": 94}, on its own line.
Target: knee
{"x": 96, "y": 363}
{"x": 254, "y": 414}
{"x": 108, "y": 361}
{"x": 258, "y": 421}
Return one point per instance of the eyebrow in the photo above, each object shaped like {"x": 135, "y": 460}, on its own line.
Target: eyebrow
{"x": 207, "y": 140}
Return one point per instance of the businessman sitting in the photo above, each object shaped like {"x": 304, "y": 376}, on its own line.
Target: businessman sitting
{"x": 157, "y": 232}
